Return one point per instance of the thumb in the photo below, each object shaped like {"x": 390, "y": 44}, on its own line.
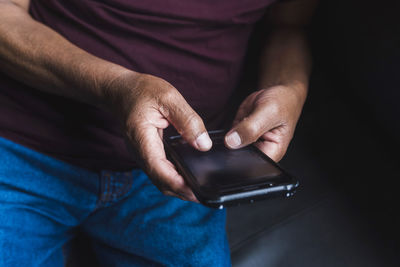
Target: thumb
{"x": 251, "y": 128}
{"x": 186, "y": 121}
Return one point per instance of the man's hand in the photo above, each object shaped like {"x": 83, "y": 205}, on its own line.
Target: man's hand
{"x": 36, "y": 54}
{"x": 267, "y": 118}
{"x": 147, "y": 105}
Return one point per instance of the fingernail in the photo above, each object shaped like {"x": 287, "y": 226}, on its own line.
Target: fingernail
{"x": 233, "y": 140}
{"x": 204, "y": 141}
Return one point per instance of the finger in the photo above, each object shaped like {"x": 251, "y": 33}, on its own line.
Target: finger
{"x": 275, "y": 143}
{"x": 252, "y": 127}
{"x": 271, "y": 149}
{"x": 185, "y": 120}
{"x": 167, "y": 180}
{"x": 160, "y": 170}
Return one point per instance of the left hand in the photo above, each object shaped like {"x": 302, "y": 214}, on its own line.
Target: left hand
{"x": 267, "y": 118}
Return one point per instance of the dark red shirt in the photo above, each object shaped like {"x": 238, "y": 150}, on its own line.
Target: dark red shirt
{"x": 196, "y": 45}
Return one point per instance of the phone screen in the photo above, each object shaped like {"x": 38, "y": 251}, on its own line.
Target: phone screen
{"x": 224, "y": 168}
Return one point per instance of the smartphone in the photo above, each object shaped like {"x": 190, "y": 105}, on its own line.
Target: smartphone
{"x": 222, "y": 177}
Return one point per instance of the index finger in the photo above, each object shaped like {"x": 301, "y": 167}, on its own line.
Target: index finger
{"x": 186, "y": 121}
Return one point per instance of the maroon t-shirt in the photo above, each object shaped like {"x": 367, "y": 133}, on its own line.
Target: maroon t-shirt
{"x": 196, "y": 45}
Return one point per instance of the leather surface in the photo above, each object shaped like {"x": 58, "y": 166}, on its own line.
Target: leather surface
{"x": 332, "y": 220}
{"x": 345, "y": 153}
{"x": 324, "y": 234}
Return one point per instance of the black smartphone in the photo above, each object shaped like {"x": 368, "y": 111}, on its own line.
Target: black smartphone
{"x": 224, "y": 177}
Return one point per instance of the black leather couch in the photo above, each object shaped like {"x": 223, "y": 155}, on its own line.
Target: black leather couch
{"x": 345, "y": 152}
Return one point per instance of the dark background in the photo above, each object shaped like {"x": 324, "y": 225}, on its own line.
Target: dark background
{"x": 356, "y": 91}
{"x": 345, "y": 151}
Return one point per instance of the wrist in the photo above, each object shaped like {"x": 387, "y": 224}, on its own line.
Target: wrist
{"x": 116, "y": 89}
{"x": 298, "y": 90}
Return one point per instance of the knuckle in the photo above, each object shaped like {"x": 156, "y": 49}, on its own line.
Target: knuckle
{"x": 165, "y": 110}
{"x": 177, "y": 184}
{"x": 192, "y": 121}
{"x": 252, "y": 130}
{"x": 190, "y": 125}
{"x": 169, "y": 96}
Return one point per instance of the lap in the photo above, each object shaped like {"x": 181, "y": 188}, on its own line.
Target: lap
{"x": 158, "y": 229}
{"x": 43, "y": 201}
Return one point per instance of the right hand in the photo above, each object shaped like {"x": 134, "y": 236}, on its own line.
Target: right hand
{"x": 147, "y": 105}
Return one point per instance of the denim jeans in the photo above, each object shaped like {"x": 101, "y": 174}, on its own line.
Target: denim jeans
{"x": 44, "y": 202}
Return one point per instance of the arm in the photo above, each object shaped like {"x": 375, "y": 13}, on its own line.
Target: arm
{"x": 35, "y": 54}
{"x": 268, "y": 117}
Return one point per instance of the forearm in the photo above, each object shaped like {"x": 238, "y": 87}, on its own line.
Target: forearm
{"x": 38, "y": 56}
{"x": 286, "y": 60}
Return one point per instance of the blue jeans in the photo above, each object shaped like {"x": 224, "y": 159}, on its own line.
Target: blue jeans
{"x": 44, "y": 202}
